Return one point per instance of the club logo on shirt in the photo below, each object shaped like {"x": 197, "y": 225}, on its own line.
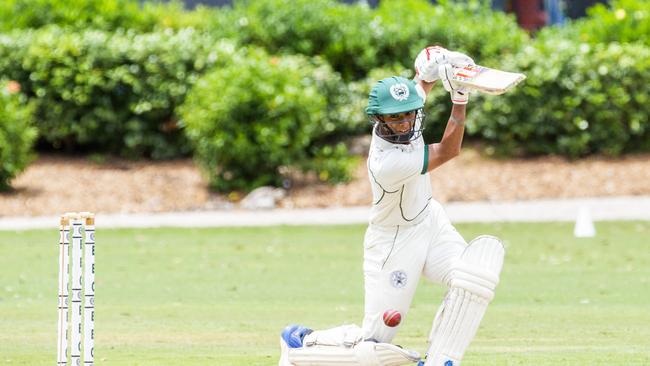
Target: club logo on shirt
{"x": 399, "y": 92}
{"x": 398, "y": 279}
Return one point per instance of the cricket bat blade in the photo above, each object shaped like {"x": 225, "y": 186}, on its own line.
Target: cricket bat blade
{"x": 487, "y": 80}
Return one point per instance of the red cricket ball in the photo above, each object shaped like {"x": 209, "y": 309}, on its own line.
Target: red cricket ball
{"x": 392, "y": 318}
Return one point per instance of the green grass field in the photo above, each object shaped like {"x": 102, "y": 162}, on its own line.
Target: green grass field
{"x": 221, "y": 296}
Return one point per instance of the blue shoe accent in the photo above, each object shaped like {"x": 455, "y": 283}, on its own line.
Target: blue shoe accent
{"x": 449, "y": 363}
{"x": 421, "y": 363}
{"x": 294, "y": 334}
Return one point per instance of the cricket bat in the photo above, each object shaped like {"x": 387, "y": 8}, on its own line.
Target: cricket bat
{"x": 487, "y": 80}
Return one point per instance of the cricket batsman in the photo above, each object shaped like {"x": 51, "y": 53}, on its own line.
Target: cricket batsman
{"x": 409, "y": 235}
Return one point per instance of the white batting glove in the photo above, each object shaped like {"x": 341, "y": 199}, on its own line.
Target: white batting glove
{"x": 459, "y": 59}
{"x": 459, "y": 94}
{"x": 428, "y": 61}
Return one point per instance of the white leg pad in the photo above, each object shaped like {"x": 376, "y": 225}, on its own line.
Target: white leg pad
{"x": 343, "y": 336}
{"x": 391, "y": 355}
{"x": 363, "y": 354}
{"x": 471, "y": 288}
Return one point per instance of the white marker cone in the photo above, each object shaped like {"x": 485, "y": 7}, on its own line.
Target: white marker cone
{"x": 584, "y": 224}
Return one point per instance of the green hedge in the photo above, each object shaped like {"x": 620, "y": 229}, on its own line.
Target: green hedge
{"x": 110, "y": 92}
{"x": 579, "y": 99}
{"x": 17, "y": 134}
{"x": 109, "y": 15}
{"x": 470, "y": 26}
{"x": 78, "y": 14}
{"x": 623, "y": 21}
{"x": 355, "y": 38}
{"x": 341, "y": 33}
{"x": 260, "y": 116}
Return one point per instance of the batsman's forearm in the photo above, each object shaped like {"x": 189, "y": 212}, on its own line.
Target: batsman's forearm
{"x": 458, "y": 112}
{"x": 452, "y": 139}
{"x": 449, "y": 146}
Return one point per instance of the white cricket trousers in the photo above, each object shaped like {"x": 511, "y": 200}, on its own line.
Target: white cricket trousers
{"x": 394, "y": 259}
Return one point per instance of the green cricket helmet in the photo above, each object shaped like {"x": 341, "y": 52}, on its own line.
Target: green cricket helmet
{"x": 395, "y": 95}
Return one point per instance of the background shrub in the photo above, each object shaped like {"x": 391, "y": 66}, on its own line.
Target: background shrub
{"x": 622, "y": 21}
{"x": 109, "y": 15}
{"x": 173, "y": 15}
{"x": 259, "y": 114}
{"x": 341, "y": 33}
{"x": 469, "y": 26}
{"x": 110, "y": 92}
{"x": 77, "y": 14}
{"x": 17, "y": 134}
{"x": 354, "y": 39}
{"x": 579, "y": 99}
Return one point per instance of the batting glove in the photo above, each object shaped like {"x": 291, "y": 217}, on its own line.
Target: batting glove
{"x": 428, "y": 61}
{"x": 459, "y": 94}
{"x": 459, "y": 59}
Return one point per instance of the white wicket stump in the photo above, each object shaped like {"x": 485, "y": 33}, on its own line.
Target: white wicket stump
{"x": 89, "y": 292}
{"x": 64, "y": 253}
{"x": 76, "y": 327}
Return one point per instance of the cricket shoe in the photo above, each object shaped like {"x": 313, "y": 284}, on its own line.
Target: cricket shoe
{"x": 291, "y": 337}
{"x": 448, "y": 363}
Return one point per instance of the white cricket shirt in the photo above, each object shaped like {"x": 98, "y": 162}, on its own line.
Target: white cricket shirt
{"x": 401, "y": 188}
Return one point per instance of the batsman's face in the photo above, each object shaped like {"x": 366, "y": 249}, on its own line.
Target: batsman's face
{"x": 400, "y": 123}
